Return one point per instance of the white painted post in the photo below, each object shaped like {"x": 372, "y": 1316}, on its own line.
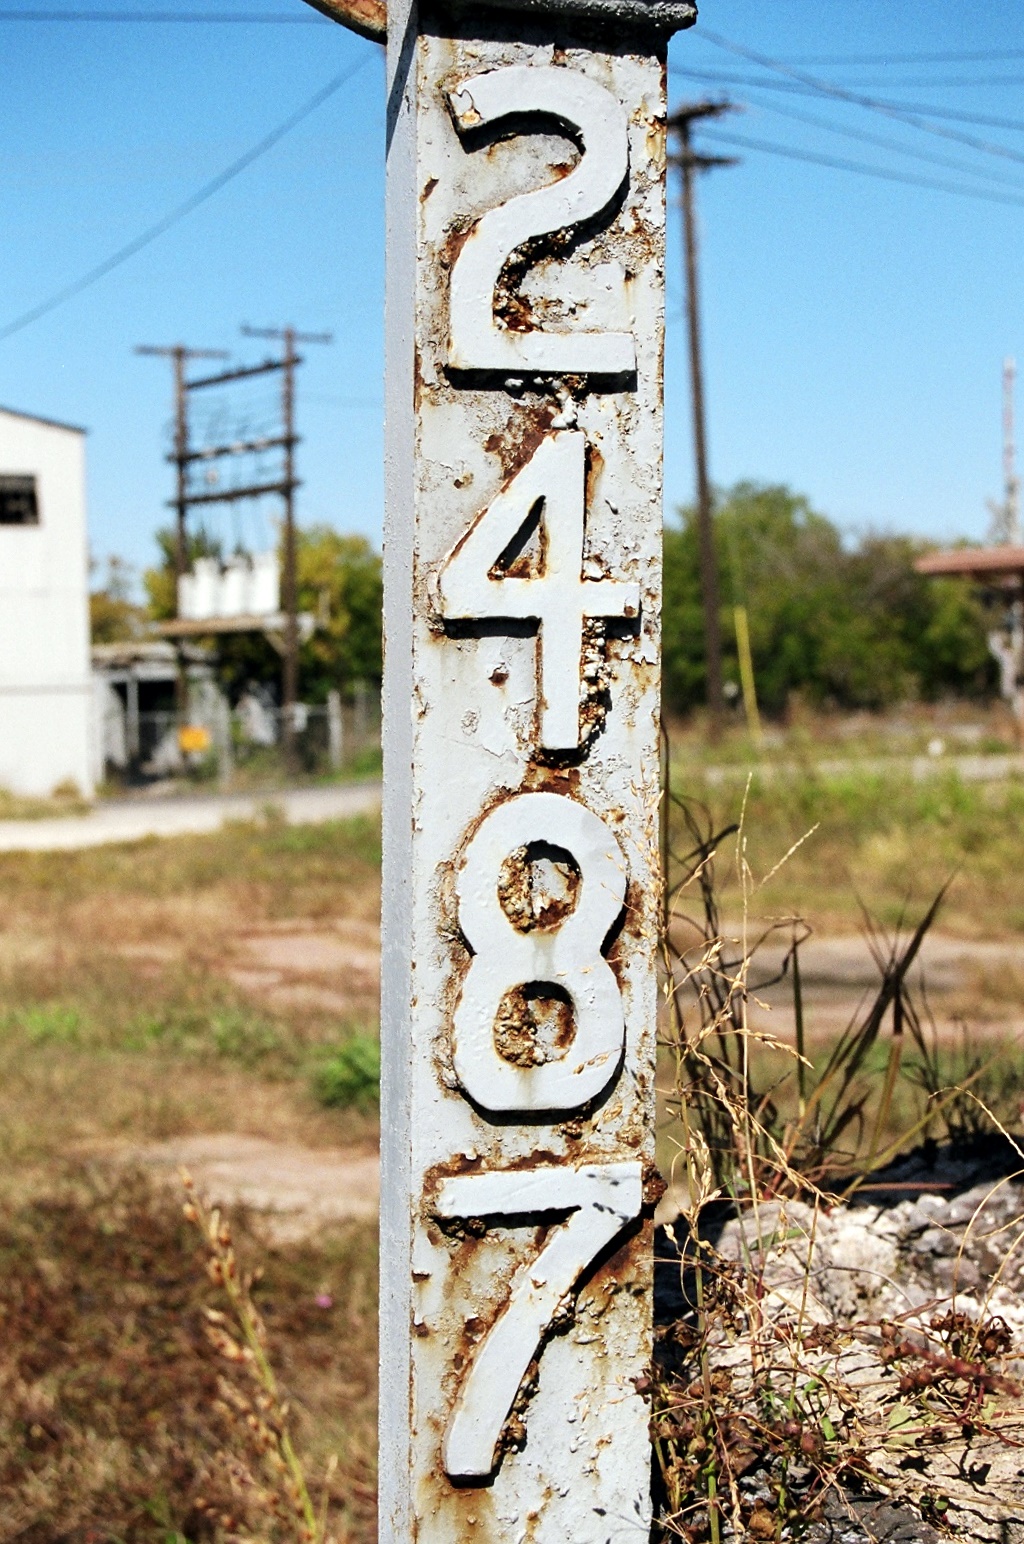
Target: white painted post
{"x": 525, "y": 231}
{"x": 335, "y": 731}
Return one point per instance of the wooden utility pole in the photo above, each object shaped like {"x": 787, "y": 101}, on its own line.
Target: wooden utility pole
{"x": 689, "y": 162}
{"x": 179, "y": 356}
{"x": 289, "y": 587}
{"x": 1011, "y": 483}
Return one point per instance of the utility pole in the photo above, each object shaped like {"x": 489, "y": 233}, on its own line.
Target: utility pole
{"x": 1011, "y": 483}
{"x": 290, "y": 674}
{"x": 1004, "y": 529}
{"x": 179, "y": 356}
{"x": 689, "y": 162}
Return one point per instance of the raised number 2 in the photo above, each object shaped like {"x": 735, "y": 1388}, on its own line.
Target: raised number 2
{"x": 586, "y": 111}
{"x": 553, "y": 953}
{"x": 601, "y": 1200}
{"x": 550, "y": 488}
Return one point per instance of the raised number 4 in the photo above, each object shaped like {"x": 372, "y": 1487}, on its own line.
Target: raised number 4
{"x": 473, "y": 584}
{"x": 601, "y": 1199}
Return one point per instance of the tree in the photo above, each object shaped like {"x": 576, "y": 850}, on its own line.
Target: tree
{"x": 161, "y": 583}
{"x": 113, "y": 616}
{"x": 852, "y": 626}
{"x": 339, "y": 582}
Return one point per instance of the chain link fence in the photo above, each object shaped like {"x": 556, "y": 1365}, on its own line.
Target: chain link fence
{"x": 244, "y": 745}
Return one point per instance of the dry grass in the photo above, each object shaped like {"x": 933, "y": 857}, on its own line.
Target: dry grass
{"x": 770, "y": 1408}
{"x": 191, "y": 986}
{"x": 115, "y": 1420}
{"x": 883, "y": 833}
{"x": 126, "y": 1015}
{"x": 121, "y": 1012}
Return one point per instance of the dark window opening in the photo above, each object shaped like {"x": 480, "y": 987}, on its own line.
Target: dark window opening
{"x": 18, "y": 502}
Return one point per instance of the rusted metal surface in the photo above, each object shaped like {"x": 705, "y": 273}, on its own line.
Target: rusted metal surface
{"x": 367, "y": 17}
{"x": 370, "y": 17}
{"x": 521, "y": 778}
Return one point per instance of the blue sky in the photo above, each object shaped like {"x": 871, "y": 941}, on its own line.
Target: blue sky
{"x": 855, "y": 327}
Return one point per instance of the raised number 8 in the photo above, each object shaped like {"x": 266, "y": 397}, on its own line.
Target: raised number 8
{"x": 539, "y": 1026}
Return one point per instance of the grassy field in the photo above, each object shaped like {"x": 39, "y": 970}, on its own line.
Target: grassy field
{"x": 203, "y": 985}
{"x": 871, "y": 834}
{"x": 137, "y": 1001}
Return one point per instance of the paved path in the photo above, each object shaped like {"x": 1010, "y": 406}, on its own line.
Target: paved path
{"x": 130, "y": 820}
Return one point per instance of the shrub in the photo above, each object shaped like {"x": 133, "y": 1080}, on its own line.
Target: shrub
{"x": 351, "y": 1074}
{"x": 850, "y": 624}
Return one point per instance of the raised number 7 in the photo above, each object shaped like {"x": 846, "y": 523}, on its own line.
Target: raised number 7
{"x": 601, "y": 1199}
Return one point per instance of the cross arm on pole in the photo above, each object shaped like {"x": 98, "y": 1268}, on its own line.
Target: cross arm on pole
{"x": 285, "y": 333}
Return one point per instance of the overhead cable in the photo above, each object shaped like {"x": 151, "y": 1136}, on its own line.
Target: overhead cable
{"x": 996, "y": 174}
{"x": 960, "y": 57}
{"x": 207, "y": 191}
{"x": 911, "y": 114}
{"x": 832, "y": 88}
{"x": 990, "y": 195}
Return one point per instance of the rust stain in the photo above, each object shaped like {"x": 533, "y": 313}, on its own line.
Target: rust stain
{"x": 655, "y": 1184}
{"x": 517, "y": 443}
{"x": 533, "y": 900}
{"x": 594, "y": 468}
{"x": 534, "y": 1025}
{"x": 458, "y": 234}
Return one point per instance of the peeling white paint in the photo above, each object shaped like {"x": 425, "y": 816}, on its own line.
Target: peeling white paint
{"x": 522, "y": 907}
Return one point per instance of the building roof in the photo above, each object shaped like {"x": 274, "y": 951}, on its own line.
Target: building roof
{"x": 977, "y": 562}
{"x": 51, "y": 423}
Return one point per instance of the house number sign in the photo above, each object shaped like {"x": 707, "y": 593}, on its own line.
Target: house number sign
{"x": 522, "y": 569}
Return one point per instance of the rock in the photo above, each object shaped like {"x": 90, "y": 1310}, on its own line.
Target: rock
{"x": 852, "y": 1294}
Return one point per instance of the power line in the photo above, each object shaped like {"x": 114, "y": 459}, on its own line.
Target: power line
{"x": 904, "y": 114}
{"x": 841, "y": 164}
{"x": 176, "y": 215}
{"x": 938, "y": 82}
{"x": 730, "y": 78}
{"x": 804, "y": 87}
{"x": 950, "y": 58}
{"x": 866, "y": 137}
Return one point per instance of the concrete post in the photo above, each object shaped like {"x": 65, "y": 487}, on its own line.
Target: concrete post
{"x": 525, "y": 231}
{"x": 225, "y": 745}
{"x": 134, "y": 731}
{"x": 335, "y": 731}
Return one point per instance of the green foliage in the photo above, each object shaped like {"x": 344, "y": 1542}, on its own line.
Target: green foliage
{"x": 351, "y": 1075}
{"x": 113, "y": 615}
{"x": 50, "y": 1024}
{"x": 339, "y": 582}
{"x": 853, "y": 627}
{"x": 160, "y": 583}
{"x": 180, "y": 1026}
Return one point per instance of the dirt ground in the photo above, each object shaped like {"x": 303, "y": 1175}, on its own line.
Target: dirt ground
{"x": 168, "y": 1004}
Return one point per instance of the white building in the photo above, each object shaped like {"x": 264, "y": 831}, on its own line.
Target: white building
{"x": 46, "y": 719}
